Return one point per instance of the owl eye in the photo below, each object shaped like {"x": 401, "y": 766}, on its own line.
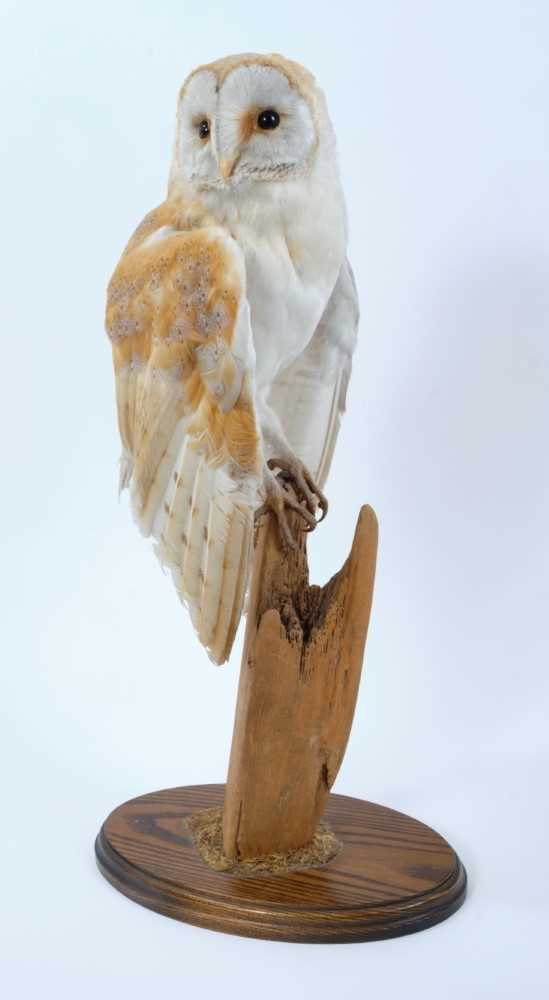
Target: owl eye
{"x": 268, "y": 119}
{"x": 204, "y": 129}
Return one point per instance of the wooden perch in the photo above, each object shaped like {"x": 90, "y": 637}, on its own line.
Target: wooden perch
{"x": 299, "y": 680}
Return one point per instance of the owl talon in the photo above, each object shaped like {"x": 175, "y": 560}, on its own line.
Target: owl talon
{"x": 280, "y": 496}
{"x": 294, "y": 473}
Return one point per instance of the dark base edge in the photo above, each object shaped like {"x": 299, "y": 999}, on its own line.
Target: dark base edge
{"x": 168, "y": 900}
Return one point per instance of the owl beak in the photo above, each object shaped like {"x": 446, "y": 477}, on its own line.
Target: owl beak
{"x": 227, "y": 165}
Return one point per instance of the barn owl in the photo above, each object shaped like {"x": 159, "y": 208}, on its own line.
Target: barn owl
{"x": 233, "y": 317}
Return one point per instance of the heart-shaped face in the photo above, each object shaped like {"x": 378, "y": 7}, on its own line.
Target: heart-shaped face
{"x": 247, "y": 119}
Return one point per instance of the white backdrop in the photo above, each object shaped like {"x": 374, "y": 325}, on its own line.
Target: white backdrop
{"x": 441, "y": 115}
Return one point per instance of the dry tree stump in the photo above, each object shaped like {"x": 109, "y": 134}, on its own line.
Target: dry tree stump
{"x": 299, "y": 679}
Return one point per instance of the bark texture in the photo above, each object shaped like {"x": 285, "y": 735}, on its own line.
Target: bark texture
{"x": 299, "y": 680}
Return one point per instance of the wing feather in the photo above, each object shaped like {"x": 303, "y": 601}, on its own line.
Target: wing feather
{"x": 178, "y": 320}
{"x": 231, "y": 592}
{"x": 309, "y": 396}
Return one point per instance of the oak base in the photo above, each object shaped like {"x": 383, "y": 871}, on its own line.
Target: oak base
{"x": 393, "y": 876}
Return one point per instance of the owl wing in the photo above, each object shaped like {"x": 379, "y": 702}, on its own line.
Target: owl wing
{"x": 309, "y": 396}
{"x": 178, "y": 320}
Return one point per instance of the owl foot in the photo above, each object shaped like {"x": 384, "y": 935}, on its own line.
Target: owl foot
{"x": 295, "y": 473}
{"x": 291, "y": 489}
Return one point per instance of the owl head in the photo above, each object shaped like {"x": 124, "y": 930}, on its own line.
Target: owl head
{"x": 246, "y": 119}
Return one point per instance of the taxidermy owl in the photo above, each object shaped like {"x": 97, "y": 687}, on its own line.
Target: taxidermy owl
{"x": 232, "y": 316}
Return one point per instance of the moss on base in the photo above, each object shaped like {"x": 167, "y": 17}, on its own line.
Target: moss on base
{"x": 206, "y": 829}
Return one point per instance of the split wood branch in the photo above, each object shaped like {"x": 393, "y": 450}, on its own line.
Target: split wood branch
{"x": 300, "y": 673}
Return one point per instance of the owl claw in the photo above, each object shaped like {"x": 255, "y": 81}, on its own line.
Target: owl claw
{"x": 299, "y": 478}
{"x": 291, "y": 489}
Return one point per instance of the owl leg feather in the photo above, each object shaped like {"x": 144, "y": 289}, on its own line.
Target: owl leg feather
{"x": 287, "y": 483}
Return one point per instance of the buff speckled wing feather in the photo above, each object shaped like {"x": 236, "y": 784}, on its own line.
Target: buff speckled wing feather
{"x": 178, "y": 320}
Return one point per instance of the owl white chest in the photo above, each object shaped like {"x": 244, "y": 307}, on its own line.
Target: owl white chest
{"x": 293, "y": 236}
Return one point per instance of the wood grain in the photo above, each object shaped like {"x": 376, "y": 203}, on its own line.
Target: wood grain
{"x": 299, "y": 679}
{"x": 394, "y": 875}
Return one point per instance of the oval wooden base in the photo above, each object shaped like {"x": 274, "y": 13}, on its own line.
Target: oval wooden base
{"x": 393, "y": 876}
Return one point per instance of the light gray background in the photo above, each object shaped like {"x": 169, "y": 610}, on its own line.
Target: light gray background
{"x": 441, "y": 114}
